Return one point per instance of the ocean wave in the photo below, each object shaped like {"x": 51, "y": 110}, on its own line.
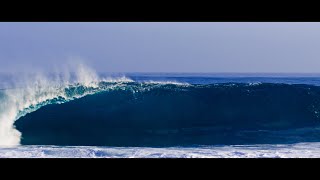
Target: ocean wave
{"x": 144, "y": 114}
{"x": 117, "y": 111}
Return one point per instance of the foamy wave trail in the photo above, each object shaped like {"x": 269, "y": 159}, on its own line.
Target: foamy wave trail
{"x": 299, "y": 150}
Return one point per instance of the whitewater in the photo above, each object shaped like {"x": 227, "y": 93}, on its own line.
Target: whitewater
{"x": 299, "y": 150}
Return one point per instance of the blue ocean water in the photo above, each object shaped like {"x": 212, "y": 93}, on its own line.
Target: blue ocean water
{"x": 180, "y": 113}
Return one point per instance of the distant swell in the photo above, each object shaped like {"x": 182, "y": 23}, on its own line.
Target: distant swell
{"x": 173, "y": 114}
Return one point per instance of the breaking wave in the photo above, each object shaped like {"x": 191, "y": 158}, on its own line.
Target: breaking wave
{"x": 82, "y": 109}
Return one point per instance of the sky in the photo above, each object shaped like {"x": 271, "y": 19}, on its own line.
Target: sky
{"x": 162, "y": 46}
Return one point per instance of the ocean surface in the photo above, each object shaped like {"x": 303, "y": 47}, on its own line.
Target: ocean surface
{"x": 171, "y": 115}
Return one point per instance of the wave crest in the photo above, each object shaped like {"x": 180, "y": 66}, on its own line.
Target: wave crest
{"x": 39, "y": 90}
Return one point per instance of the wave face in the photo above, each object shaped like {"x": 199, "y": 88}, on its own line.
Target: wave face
{"x": 155, "y": 114}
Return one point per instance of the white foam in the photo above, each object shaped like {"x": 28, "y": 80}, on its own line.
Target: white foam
{"x": 300, "y": 150}
{"x": 166, "y": 82}
{"x": 117, "y": 79}
{"x": 254, "y": 83}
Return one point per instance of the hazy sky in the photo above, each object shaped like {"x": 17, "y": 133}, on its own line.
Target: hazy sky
{"x": 162, "y": 47}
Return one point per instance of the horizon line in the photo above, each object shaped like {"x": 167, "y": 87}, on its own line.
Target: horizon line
{"x": 180, "y": 72}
